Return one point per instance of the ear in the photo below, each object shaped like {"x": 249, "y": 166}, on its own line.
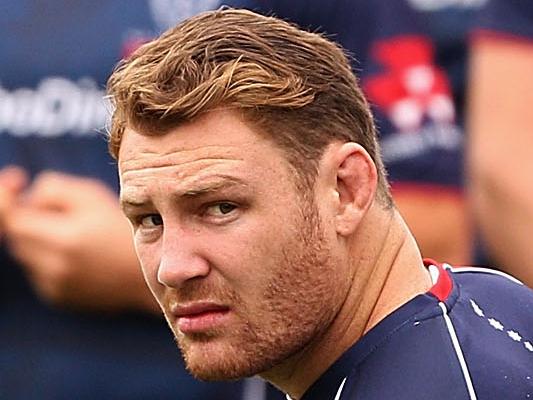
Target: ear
{"x": 356, "y": 186}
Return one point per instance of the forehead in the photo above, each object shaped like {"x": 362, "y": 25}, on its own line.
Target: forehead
{"x": 214, "y": 131}
{"x": 218, "y": 142}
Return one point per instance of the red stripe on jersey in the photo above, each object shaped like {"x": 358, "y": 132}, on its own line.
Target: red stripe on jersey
{"x": 442, "y": 289}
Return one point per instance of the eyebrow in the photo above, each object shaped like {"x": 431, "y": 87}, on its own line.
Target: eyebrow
{"x": 132, "y": 203}
{"x": 219, "y": 182}
{"x": 226, "y": 182}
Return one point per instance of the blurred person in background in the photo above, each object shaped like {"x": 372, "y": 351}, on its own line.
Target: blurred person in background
{"x": 501, "y": 134}
{"x": 410, "y": 56}
{"x": 76, "y": 319}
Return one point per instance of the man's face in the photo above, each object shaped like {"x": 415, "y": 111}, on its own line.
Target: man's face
{"x": 241, "y": 265}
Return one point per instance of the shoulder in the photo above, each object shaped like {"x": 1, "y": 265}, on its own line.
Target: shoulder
{"x": 497, "y": 291}
{"x": 492, "y": 321}
{"x": 474, "y": 340}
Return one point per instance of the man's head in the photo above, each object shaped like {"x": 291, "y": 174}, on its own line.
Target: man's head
{"x": 247, "y": 158}
{"x": 295, "y": 87}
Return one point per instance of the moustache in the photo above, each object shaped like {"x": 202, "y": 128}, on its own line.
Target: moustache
{"x": 200, "y": 291}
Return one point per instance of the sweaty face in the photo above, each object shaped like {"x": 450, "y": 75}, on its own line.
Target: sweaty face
{"x": 238, "y": 261}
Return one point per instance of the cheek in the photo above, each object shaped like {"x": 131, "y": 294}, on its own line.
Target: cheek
{"x": 241, "y": 260}
{"x": 245, "y": 261}
{"x": 149, "y": 257}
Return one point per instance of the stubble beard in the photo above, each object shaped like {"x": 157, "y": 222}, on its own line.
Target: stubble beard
{"x": 296, "y": 308}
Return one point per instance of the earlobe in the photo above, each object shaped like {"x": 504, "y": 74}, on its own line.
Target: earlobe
{"x": 356, "y": 186}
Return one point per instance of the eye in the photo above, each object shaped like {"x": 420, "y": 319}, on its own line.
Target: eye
{"x": 220, "y": 209}
{"x": 151, "y": 221}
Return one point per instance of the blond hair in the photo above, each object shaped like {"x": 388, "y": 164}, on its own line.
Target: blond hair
{"x": 293, "y": 86}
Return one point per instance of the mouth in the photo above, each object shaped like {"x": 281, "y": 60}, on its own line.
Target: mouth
{"x": 199, "y": 317}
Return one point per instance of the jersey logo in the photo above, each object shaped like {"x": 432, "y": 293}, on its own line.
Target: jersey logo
{"x": 415, "y": 96}
{"x": 411, "y": 87}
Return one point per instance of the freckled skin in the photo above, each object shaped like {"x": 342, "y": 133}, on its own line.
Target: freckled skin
{"x": 269, "y": 259}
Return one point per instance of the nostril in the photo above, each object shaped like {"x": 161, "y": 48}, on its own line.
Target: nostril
{"x": 174, "y": 273}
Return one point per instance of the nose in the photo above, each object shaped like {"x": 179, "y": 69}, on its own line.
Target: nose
{"x": 181, "y": 259}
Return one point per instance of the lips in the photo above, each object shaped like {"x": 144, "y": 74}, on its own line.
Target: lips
{"x": 199, "y": 317}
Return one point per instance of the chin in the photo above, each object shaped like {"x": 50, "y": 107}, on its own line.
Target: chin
{"x": 216, "y": 373}
{"x": 220, "y": 366}
{"x": 213, "y": 359}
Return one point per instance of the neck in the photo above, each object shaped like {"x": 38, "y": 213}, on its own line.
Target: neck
{"x": 382, "y": 252}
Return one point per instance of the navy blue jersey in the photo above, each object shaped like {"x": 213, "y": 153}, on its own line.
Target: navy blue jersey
{"x": 469, "y": 337}
{"x": 410, "y": 61}
{"x": 509, "y": 17}
{"x": 56, "y": 57}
